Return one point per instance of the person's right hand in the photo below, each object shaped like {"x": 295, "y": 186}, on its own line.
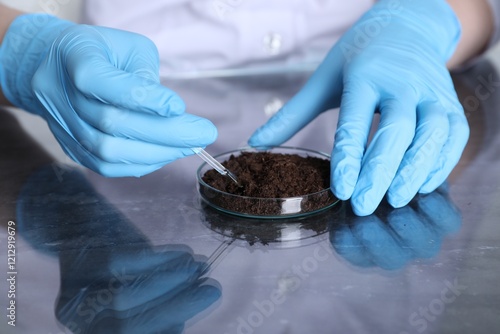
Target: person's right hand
{"x": 99, "y": 91}
{"x": 392, "y": 61}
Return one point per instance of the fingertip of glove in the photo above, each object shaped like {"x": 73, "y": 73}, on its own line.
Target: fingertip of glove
{"x": 343, "y": 181}
{"x": 258, "y": 138}
{"x": 265, "y": 137}
{"x": 341, "y": 194}
{"x": 254, "y": 142}
{"x": 429, "y": 186}
{"x": 397, "y": 201}
{"x": 207, "y": 131}
{"x": 364, "y": 203}
{"x": 399, "y": 197}
{"x": 362, "y": 209}
{"x": 213, "y": 133}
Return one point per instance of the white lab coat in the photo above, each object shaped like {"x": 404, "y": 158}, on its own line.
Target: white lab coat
{"x": 207, "y": 35}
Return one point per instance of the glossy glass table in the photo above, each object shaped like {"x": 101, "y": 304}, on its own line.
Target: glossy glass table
{"x": 97, "y": 255}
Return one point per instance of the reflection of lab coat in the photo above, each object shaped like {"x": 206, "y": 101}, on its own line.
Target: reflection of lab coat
{"x": 214, "y": 34}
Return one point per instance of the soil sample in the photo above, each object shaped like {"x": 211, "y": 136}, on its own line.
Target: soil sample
{"x": 273, "y": 176}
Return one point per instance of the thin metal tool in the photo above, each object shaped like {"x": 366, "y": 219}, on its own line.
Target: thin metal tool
{"x": 216, "y": 255}
{"x": 215, "y": 164}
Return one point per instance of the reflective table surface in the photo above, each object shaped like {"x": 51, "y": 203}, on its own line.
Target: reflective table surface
{"x": 97, "y": 255}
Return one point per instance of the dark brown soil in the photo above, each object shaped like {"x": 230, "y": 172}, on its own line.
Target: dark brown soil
{"x": 270, "y": 175}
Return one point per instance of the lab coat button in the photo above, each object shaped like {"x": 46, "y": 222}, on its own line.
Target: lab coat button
{"x": 273, "y": 43}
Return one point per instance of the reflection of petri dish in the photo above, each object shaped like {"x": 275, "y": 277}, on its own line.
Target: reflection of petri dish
{"x": 265, "y": 208}
{"x": 280, "y": 233}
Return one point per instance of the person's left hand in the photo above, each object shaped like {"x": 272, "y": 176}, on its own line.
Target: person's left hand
{"x": 392, "y": 61}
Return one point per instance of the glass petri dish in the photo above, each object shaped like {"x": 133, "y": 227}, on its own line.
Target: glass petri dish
{"x": 265, "y": 208}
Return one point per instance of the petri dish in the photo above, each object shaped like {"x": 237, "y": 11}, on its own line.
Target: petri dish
{"x": 265, "y": 208}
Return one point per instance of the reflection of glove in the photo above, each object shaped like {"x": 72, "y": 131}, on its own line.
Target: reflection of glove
{"x": 138, "y": 291}
{"x": 390, "y": 238}
{"x": 99, "y": 91}
{"x": 393, "y": 60}
{"x": 112, "y": 279}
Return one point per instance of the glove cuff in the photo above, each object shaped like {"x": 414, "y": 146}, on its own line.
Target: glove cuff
{"x": 24, "y": 46}
{"x": 435, "y": 20}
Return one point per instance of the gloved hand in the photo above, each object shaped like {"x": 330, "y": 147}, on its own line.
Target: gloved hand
{"x": 100, "y": 93}
{"x": 393, "y": 60}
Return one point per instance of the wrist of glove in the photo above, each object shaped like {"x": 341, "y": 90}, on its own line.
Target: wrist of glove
{"x": 434, "y": 21}
{"x": 25, "y": 45}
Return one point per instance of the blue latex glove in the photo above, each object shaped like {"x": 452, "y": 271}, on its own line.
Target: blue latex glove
{"x": 100, "y": 93}
{"x": 392, "y": 60}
